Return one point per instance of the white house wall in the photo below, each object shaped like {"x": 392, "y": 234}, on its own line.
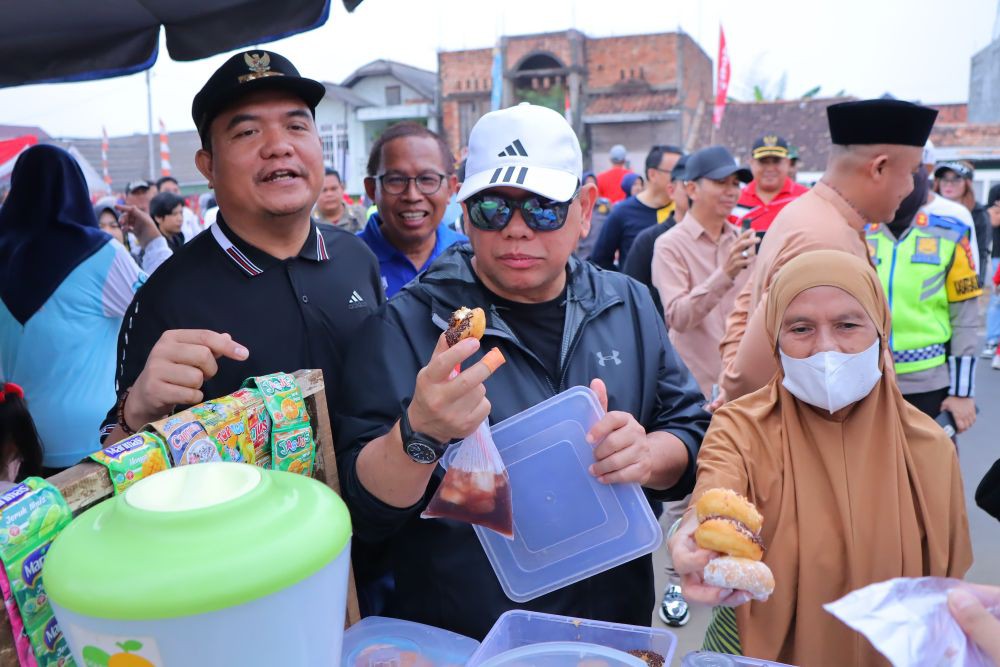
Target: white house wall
{"x": 332, "y": 112}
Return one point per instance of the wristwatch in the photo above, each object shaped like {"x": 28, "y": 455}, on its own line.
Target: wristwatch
{"x": 420, "y": 447}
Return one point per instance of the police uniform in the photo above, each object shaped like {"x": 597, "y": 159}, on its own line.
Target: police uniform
{"x": 931, "y": 285}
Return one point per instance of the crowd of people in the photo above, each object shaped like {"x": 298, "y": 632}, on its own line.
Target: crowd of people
{"x": 802, "y": 346}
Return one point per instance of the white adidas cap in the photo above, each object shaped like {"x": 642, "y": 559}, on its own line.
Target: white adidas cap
{"x": 526, "y": 146}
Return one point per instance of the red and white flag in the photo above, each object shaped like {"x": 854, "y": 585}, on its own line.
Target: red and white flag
{"x": 104, "y": 157}
{"x": 721, "y": 81}
{"x": 11, "y": 149}
{"x": 164, "y": 151}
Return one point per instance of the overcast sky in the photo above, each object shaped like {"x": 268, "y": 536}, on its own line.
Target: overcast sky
{"x": 914, "y": 49}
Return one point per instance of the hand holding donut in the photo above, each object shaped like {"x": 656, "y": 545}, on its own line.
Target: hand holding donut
{"x": 690, "y": 561}
{"x": 719, "y": 546}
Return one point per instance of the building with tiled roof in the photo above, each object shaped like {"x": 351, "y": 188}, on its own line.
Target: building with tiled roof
{"x": 635, "y": 90}
{"x": 13, "y": 131}
{"x": 802, "y": 123}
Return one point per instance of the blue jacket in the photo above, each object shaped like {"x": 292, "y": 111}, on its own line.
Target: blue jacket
{"x": 396, "y": 268}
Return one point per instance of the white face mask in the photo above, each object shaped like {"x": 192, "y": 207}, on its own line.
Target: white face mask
{"x": 832, "y": 380}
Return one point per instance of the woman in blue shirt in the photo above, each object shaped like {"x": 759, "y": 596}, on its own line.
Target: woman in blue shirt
{"x": 64, "y": 287}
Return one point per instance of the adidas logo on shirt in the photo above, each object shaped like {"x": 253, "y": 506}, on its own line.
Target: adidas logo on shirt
{"x": 356, "y": 301}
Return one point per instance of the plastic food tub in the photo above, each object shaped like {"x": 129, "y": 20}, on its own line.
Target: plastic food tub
{"x": 563, "y": 654}
{"x": 390, "y": 642}
{"x": 517, "y": 629}
{"x": 567, "y": 525}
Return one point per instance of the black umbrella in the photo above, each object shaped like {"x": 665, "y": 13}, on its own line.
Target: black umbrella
{"x": 75, "y": 40}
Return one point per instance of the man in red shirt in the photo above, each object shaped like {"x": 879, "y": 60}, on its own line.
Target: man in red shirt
{"x": 771, "y": 188}
{"x": 609, "y": 183}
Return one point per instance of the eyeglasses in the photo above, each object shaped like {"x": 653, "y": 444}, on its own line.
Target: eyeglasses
{"x": 951, "y": 180}
{"x": 492, "y": 213}
{"x": 396, "y": 184}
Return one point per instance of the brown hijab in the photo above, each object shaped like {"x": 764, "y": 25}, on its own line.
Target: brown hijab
{"x": 869, "y": 493}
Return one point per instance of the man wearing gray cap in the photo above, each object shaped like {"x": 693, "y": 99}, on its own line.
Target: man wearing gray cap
{"x": 609, "y": 182}
{"x": 559, "y": 323}
{"x": 877, "y": 145}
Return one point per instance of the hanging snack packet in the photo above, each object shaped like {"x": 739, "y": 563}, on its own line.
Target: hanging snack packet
{"x": 258, "y": 421}
{"x": 31, "y": 515}
{"x": 134, "y": 458}
{"x": 294, "y": 450}
{"x": 476, "y": 487}
{"x": 225, "y": 421}
{"x": 292, "y": 446}
{"x": 51, "y": 648}
{"x": 187, "y": 440}
{"x": 282, "y": 399}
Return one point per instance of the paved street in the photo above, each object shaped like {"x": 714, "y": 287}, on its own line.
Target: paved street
{"x": 978, "y": 449}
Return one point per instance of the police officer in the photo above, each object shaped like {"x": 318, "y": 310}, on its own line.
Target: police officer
{"x": 925, "y": 265}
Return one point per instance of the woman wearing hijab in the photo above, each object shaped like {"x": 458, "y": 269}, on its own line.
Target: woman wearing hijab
{"x": 855, "y": 485}
{"x": 632, "y": 184}
{"x": 64, "y": 287}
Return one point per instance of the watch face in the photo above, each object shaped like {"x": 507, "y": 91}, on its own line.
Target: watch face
{"x": 421, "y": 452}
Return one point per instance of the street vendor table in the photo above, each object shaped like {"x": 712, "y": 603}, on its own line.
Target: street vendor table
{"x": 86, "y": 484}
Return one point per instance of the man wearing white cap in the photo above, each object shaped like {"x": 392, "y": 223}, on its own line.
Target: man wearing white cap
{"x": 559, "y": 323}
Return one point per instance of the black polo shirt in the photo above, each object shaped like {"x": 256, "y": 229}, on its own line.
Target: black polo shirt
{"x": 300, "y": 312}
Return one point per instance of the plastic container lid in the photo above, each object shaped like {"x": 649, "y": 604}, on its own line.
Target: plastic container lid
{"x": 563, "y": 654}
{"x": 567, "y": 525}
{"x": 519, "y": 628}
{"x": 710, "y": 659}
{"x": 195, "y": 539}
{"x": 384, "y": 642}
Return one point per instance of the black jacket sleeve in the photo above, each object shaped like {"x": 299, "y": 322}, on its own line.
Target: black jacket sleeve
{"x": 679, "y": 401}
{"x": 380, "y": 371}
{"x": 141, "y": 328}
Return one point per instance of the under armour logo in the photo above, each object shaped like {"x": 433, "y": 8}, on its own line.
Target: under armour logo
{"x": 601, "y": 359}
{"x": 514, "y": 148}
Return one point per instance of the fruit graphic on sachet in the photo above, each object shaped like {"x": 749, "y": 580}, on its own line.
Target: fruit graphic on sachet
{"x": 154, "y": 463}
{"x": 289, "y": 408}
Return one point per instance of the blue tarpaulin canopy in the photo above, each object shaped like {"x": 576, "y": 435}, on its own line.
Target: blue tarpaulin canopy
{"x": 43, "y": 41}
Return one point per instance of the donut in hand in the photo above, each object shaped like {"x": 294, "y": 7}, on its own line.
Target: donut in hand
{"x": 465, "y": 323}
{"x": 730, "y": 525}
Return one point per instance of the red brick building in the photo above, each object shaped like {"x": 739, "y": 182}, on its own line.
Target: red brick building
{"x": 636, "y": 90}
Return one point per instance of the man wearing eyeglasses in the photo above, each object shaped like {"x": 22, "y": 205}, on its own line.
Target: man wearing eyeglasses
{"x": 411, "y": 178}
{"x": 559, "y": 323}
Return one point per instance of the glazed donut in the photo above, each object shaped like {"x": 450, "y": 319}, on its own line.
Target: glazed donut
{"x": 726, "y": 503}
{"x": 741, "y": 574}
{"x": 730, "y": 537}
{"x": 465, "y": 323}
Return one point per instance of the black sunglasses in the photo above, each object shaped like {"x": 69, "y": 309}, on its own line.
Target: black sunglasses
{"x": 492, "y": 213}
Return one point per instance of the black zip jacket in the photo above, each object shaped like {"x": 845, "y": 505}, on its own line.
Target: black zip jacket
{"x": 612, "y": 331}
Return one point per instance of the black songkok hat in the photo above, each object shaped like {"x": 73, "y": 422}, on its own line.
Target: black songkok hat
{"x": 880, "y": 122}
{"x": 245, "y": 73}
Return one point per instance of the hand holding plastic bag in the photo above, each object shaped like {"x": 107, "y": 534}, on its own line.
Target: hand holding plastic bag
{"x": 909, "y": 622}
{"x": 476, "y": 487}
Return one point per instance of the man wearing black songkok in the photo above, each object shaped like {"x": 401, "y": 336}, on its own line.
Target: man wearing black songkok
{"x": 877, "y": 145}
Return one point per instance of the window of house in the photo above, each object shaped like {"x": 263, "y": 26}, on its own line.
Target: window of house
{"x": 329, "y": 146}
{"x": 393, "y": 95}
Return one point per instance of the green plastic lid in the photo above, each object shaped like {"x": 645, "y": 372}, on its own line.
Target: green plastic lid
{"x": 195, "y": 539}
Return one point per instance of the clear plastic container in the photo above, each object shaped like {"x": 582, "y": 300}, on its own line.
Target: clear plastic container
{"x": 390, "y": 642}
{"x": 710, "y": 659}
{"x": 563, "y": 654}
{"x": 516, "y": 629}
{"x": 567, "y": 525}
